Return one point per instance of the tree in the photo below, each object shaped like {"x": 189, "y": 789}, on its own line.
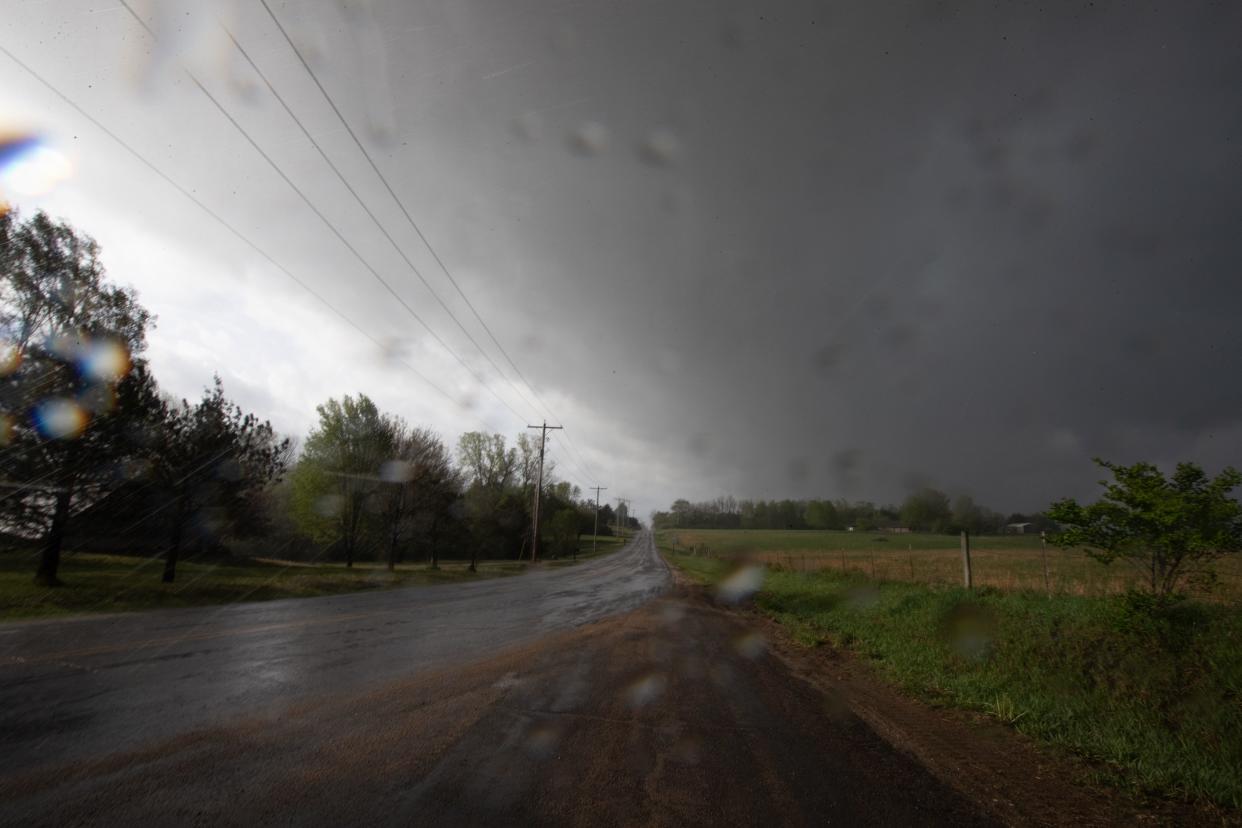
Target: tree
{"x": 1170, "y": 528}
{"x": 74, "y": 391}
{"x": 422, "y": 486}
{"x": 485, "y": 460}
{"x": 926, "y": 510}
{"x": 339, "y": 471}
{"x": 214, "y": 456}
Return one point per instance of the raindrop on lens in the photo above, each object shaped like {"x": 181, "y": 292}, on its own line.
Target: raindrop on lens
{"x": 60, "y": 419}
{"x": 106, "y": 360}
{"x": 29, "y": 167}
{"x": 10, "y": 358}
{"x": 591, "y": 138}
{"x": 396, "y": 471}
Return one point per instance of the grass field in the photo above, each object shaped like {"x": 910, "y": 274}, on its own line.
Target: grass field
{"x": 1010, "y": 562}
{"x": 1153, "y": 704}
{"x": 117, "y": 583}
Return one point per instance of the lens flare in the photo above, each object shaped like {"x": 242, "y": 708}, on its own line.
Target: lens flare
{"x": 10, "y": 358}
{"x": 105, "y": 360}
{"x": 61, "y": 419}
{"x": 29, "y": 167}
{"x": 7, "y": 427}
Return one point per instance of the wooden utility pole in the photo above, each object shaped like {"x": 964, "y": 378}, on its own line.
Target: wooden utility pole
{"x": 1043, "y": 545}
{"x": 966, "y": 558}
{"x": 534, "y": 524}
{"x": 595, "y": 537}
{"x": 622, "y": 501}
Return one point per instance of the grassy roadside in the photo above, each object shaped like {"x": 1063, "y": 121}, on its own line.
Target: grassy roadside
{"x": 1154, "y": 705}
{"x": 114, "y": 583}
{"x": 117, "y": 583}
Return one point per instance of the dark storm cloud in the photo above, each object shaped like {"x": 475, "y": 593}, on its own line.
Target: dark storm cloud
{"x": 970, "y": 246}
{"x": 795, "y": 249}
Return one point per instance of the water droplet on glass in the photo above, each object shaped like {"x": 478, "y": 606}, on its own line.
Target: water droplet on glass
{"x": 29, "y": 166}
{"x": 396, "y": 471}
{"x": 591, "y": 138}
{"x": 645, "y": 690}
{"x": 60, "y": 419}
{"x": 329, "y": 505}
{"x": 541, "y": 742}
{"x": 10, "y": 358}
{"x": 741, "y": 585}
{"x": 105, "y": 360}
{"x": 751, "y": 645}
{"x": 660, "y": 148}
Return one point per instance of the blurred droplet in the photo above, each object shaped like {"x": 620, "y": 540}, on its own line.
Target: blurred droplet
{"x": 688, "y": 750}
{"x": 741, "y": 585}
{"x": 670, "y": 614}
{"x": 827, "y": 359}
{"x": 541, "y": 742}
{"x": 862, "y": 597}
{"x": 591, "y": 138}
{"x": 65, "y": 346}
{"x": 60, "y": 419}
{"x": 229, "y": 469}
{"x": 98, "y": 399}
{"x": 7, "y": 428}
{"x": 700, "y": 443}
{"x": 105, "y": 360}
{"x": 969, "y": 629}
{"x": 396, "y": 471}
{"x": 10, "y": 358}
{"x": 798, "y": 470}
{"x": 329, "y": 505}
{"x": 751, "y": 645}
{"x": 29, "y": 167}
{"x": 528, "y": 126}
{"x": 660, "y": 148}
{"x": 645, "y": 690}
{"x": 564, "y": 39}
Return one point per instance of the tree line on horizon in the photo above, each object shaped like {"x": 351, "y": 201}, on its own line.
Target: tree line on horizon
{"x": 926, "y": 510}
{"x": 94, "y": 457}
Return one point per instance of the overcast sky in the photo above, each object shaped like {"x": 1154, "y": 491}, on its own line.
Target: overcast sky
{"x": 769, "y": 249}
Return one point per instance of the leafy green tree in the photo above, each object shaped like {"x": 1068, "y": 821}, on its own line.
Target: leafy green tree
{"x": 213, "y": 457}
{"x": 926, "y": 510}
{"x": 1168, "y": 527}
{"x": 486, "y": 461}
{"x": 75, "y": 395}
{"x": 338, "y": 475}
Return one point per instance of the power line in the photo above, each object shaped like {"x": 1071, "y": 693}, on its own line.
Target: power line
{"x": 226, "y": 225}
{"x": 409, "y": 218}
{"x": 361, "y": 203}
{"x": 249, "y": 139}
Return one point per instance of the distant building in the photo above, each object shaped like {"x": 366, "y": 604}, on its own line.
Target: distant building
{"x": 1019, "y": 528}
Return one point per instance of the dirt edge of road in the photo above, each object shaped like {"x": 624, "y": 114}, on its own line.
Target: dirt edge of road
{"x": 1007, "y": 775}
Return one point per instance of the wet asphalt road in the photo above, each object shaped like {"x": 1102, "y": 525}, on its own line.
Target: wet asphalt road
{"x": 77, "y": 689}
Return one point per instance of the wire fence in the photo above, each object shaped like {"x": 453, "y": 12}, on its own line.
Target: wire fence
{"x": 1058, "y": 571}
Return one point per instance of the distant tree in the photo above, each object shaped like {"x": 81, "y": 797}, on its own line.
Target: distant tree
{"x": 338, "y": 474}
{"x": 1170, "y": 528}
{"x": 485, "y": 460}
{"x": 421, "y": 485}
{"x": 214, "y": 458}
{"x": 926, "y": 510}
{"x": 75, "y": 395}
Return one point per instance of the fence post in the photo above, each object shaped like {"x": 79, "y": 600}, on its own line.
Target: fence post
{"x": 910, "y": 552}
{"x": 966, "y": 558}
{"x": 1043, "y": 545}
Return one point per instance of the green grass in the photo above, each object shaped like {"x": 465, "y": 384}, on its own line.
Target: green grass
{"x": 1154, "y": 705}
{"x": 114, "y": 583}
{"x": 1009, "y": 562}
